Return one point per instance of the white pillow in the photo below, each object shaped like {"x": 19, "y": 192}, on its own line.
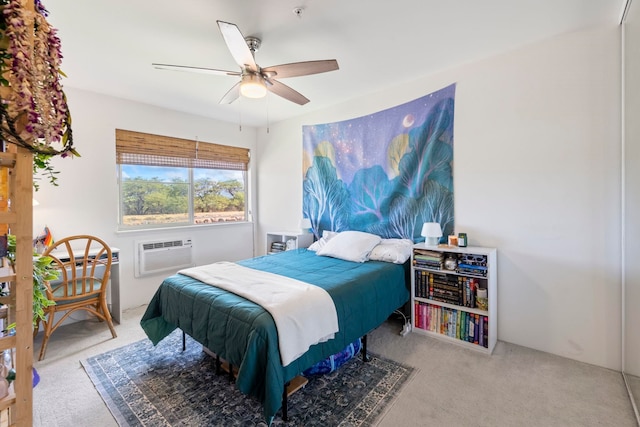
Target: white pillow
{"x": 396, "y": 251}
{"x": 318, "y": 244}
{"x": 326, "y": 234}
{"x": 350, "y": 246}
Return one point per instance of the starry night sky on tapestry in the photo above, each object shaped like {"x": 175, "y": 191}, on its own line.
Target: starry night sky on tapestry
{"x": 385, "y": 173}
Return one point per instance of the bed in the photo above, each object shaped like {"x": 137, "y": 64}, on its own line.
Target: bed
{"x": 241, "y": 332}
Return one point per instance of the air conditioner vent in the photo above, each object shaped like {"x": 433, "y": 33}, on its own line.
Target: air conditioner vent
{"x": 160, "y": 245}
{"x": 162, "y": 255}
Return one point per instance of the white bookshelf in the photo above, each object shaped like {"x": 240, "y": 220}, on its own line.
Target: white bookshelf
{"x": 287, "y": 240}
{"x": 427, "y": 311}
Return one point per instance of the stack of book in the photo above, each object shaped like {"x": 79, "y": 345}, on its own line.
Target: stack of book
{"x": 424, "y": 258}
{"x": 278, "y": 246}
{"x": 473, "y": 264}
{"x": 445, "y": 288}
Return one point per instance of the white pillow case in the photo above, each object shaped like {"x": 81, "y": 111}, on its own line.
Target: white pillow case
{"x": 350, "y": 246}
{"x": 396, "y": 251}
{"x": 318, "y": 244}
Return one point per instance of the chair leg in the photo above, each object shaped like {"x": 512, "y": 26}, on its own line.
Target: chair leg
{"x": 107, "y": 315}
{"x": 99, "y": 309}
{"x": 48, "y": 330}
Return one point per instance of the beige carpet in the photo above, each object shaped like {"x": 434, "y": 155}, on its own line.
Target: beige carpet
{"x": 515, "y": 386}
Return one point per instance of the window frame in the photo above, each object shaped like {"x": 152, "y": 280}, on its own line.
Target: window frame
{"x": 142, "y": 149}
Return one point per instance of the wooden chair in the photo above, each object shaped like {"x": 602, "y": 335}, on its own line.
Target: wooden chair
{"x": 84, "y": 263}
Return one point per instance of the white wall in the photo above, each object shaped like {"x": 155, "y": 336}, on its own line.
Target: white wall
{"x": 86, "y": 200}
{"x": 537, "y": 175}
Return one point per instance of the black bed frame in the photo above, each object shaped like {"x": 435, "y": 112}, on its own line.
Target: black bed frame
{"x": 285, "y": 416}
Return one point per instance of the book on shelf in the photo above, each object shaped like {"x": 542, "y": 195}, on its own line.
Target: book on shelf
{"x": 485, "y": 331}
{"x": 469, "y": 286}
{"x": 472, "y": 264}
{"x": 423, "y": 258}
{"x": 278, "y": 246}
{"x": 470, "y": 269}
{"x": 427, "y": 253}
{"x": 451, "y": 289}
{"x": 464, "y": 325}
{"x": 473, "y": 259}
{"x": 476, "y": 325}
{"x": 459, "y": 324}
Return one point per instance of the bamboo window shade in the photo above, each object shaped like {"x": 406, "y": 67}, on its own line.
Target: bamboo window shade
{"x": 136, "y": 148}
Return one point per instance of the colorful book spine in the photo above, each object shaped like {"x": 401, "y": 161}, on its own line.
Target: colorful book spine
{"x": 476, "y": 325}
{"x": 458, "y": 324}
{"x": 485, "y": 331}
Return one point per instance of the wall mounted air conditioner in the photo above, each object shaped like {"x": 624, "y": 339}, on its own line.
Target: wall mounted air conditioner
{"x": 162, "y": 255}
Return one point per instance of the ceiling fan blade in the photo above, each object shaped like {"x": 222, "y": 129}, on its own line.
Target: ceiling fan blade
{"x": 296, "y": 69}
{"x": 286, "y": 92}
{"x": 196, "y": 69}
{"x": 231, "y": 95}
{"x": 237, "y": 45}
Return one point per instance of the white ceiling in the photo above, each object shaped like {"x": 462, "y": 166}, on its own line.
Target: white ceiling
{"x": 108, "y": 46}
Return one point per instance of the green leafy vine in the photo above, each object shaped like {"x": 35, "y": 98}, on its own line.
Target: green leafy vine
{"x": 44, "y": 270}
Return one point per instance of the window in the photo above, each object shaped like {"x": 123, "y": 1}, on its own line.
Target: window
{"x": 165, "y": 182}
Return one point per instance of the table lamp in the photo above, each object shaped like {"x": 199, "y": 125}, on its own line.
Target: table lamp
{"x": 432, "y": 233}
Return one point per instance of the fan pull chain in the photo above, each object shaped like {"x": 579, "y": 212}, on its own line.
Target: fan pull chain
{"x": 268, "y": 97}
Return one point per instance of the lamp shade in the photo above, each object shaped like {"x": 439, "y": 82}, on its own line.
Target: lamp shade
{"x": 253, "y": 86}
{"x": 432, "y": 232}
{"x": 305, "y": 224}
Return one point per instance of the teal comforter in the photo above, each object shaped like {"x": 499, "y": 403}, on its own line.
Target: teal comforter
{"x": 243, "y": 333}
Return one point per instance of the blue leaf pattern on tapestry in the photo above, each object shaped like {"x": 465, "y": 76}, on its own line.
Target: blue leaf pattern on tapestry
{"x": 386, "y": 173}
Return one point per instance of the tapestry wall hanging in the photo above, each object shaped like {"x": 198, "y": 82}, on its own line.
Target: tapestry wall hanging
{"x": 386, "y": 173}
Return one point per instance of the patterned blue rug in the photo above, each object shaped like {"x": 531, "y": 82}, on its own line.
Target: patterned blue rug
{"x": 162, "y": 386}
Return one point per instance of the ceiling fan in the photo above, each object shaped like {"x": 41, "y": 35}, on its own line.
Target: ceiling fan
{"x": 254, "y": 80}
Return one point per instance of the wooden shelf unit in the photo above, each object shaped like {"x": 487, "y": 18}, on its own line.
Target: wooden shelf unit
{"x": 16, "y": 218}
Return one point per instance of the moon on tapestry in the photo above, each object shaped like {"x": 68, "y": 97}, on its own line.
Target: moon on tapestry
{"x": 408, "y": 120}
{"x": 386, "y": 173}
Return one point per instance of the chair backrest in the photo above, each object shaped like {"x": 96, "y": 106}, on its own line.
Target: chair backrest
{"x": 84, "y": 263}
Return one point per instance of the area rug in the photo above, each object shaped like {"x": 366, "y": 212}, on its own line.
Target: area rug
{"x": 144, "y": 385}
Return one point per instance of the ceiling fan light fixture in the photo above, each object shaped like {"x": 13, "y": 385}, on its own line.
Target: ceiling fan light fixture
{"x": 253, "y": 86}
{"x": 256, "y": 81}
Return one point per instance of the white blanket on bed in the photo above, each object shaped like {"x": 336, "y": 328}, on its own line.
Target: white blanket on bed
{"x": 304, "y": 314}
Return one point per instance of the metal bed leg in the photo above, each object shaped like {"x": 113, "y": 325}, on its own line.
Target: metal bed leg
{"x": 230, "y": 373}
{"x": 285, "y": 415}
{"x": 184, "y": 341}
{"x": 365, "y": 356}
